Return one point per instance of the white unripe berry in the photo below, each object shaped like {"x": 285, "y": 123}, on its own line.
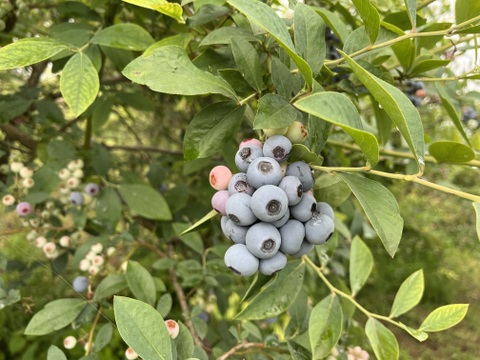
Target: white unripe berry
{"x": 26, "y": 172}
{"x": 93, "y": 270}
{"x": 34, "y": 222}
{"x": 97, "y": 248}
{"x": 87, "y": 345}
{"x": 78, "y": 173}
{"x": 75, "y": 164}
{"x": 84, "y": 264}
{"x": 32, "y": 235}
{"x": 45, "y": 214}
{"x": 52, "y": 255}
{"x": 297, "y": 132}
{"x": 64, "y": 174}
{"x": 69, "y": 342}
{"x": 8, "y": 200}
{"x": 72, "y": 183}
{"x": 110, "y": 251}
{"x": 90, "y": 255}
{"x": 40, "y": 242}
{"x": 130, "y": 354}
{"x": 279, "y": 131}
{"x": 28, "y": 183}
{"x": 65, "y": 241}
{"x": 98, "y": 260}
{"x": 63, "y": 189}
{"x": 49, "y": 247}
{"x": 16, "y": 166}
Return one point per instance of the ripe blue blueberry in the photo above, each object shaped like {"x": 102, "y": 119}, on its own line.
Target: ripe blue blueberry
{"x": 292, "y": 233}
{"x": 240, "y": 260}
{"x": 301, "y": 170}
{"x": 263, "y": 240}
{"x": 305, "y": 248}
{"x": 319, "y": 229}
{"x": 76, "y": 198}
{"x": 304, "y": 209}
{"x": 92, "y": 189}
{"x": 277, "y": 147}
{"x": 293, "y": 188}
{"x": 80, "y": 284}
{"x": 325, "y": 208}
{"x": 246, "y": 154}
{"x": 283, "y": 220}
{"x": 238, "y": 209}
{"x": 223, "y": 222}
{"x": 239, "y": 183}
{"x": 269, "y": 203}
{"x": 272, "y": 265}
{"x": 264, "y": 171}
{"x": 235, "y": 232}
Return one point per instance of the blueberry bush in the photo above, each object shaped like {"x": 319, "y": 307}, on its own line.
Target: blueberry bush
{"x": 211, "y": 179}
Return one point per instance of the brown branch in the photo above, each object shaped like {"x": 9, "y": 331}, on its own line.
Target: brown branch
{"x": 15, "y": 134}
{"x": 244, "y": 346}
{"x": 37, "y": 71}
{"x": 144, "y": 148}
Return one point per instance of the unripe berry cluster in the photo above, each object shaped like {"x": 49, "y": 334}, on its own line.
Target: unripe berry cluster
{"x": 268, "y": 209}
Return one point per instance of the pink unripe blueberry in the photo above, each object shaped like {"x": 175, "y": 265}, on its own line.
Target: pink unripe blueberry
{"x": 219, "y": 201}
{"x": 219, "y": 177}
{"x": 251, "y": 142}
{"x": 8, "y": 200}
{"x": 65, "y": 241}
{"x": 69, "y": 342}
{"x": 173, "y": 328}
{"x": 130, "y": 354}
{"x": 24, "y": 208}
{"x": 40, "y": 241}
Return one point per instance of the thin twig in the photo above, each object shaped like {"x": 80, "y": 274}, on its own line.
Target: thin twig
{"x": 244, "y": 346}
{"x": 144, "y": 148}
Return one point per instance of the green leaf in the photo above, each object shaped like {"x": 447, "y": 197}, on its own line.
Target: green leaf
{"x": 109, "y": 286}
{"x": 286, "y": 84}
{"x": 334, "y": 22}
{"x": 54, "y": 353}
{"x": 200, "y": 222}
{"x": 29, "y": 51}
{"x": 325, "y": 326}
{"x": 444, "y": 317}
{"x": 411, "y": 6}
{"x": 224, "y": 36}
{"x": 370, "y": 17}
{"x": 451, "y": 152}
{"x": 192, "y": 240}
{"x": 54, "y": 316}
{"x": 124, "y": 36}
{"x": 184, "y": 343}
{"x": 274, "y": 111}
{"x": 141, "y": 282}
{"x": 145, "y": 201}
{"x": 181, "y": 40}
{"x": 309, "y": 36}
{"x": 211, "y": 128}
{"x": 142, "y": 328}
{"x": 79, "y": 83}
{"x": 361, "y": 264}
{"x": 265, "y": 18}
{"x": 331, "y": 189}
{"x": 248, "y": 62}
{"x": 277, "y": 296}
{"x": 417, "y": 334}
{"x": 427, "y": 65}
{"x": 398, "y": 107}
{"x": 301, "y": 153}
{"x": 164, "y": 304}
{"x": 380, "y": 207}
{"x": 476, "y": 207}
{"x": 172, "y": 10}
{"x": 103, "y": 337}
{"x": 409, "y": 294}
{"x": 383, "y": 341}
{"x": 448, "y": 104}
{"x": 466, "y": 10}
{"x": 169, "y": 70}
{"x": 338, "y": 109}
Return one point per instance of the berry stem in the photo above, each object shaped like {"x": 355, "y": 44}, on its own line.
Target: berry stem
{"x": 92, "y": 331}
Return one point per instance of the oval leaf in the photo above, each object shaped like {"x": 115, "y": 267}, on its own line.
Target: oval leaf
{"x": 54, "y": 316}
{"x": 135, "y": 321}
{"x": 466, "y": 10}
{"x": 168, "y": 69}
{"x": 370, "y": 18}
{"x": 444, "y": 317}
{"x": 29, "y": 51}
{"x": 361, "y": 264}
{"x": 409, "y": 294}
{"x": 248, "y": 62}
{"x": 337, "y": 109}
{"x": 325, "y": 326}
{"x": 110, "y": 286}
{"x": 79, "y": 83}
{"x": 141, "y": 282}
{"x": 398, "y": 107}
{"x": 380, "y": 207}
{"x": 383, "y": 341}
{"x": 54, "y": 353}
{"x": 274, "y": 111}
{"x": 124, "y": 36}
{"x": 301, "y": 153}
{"x": 277, "y": 296}
{"x": 162, "y": 6}
{"x": 451, "y": 152}
{"x": 145, "y": 201}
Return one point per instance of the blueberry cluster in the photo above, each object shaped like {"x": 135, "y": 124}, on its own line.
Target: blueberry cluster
{"x": 268, "y": 208}
{"x": 415, "y": 92}
{"x": 470, "y": 117}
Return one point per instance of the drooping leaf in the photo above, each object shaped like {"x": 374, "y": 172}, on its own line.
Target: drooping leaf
{"x": 370, "y": 17}
{"x": 54, "y": 316}
{"x": 274, "y": 111}
{"x": 383, "y": 341}
{"x": 211, "y": 128}
{"x": 337, "y": 109}
{"x": 325, "y": 326}
{"x": 380, "y": 207}
{"x": 79, "y": 83}
{"x": 162, "y": 6}
{"x": 361, "y": 264}
{"x": 29, "y": 51}
{"x": 427, "y": 65}
{"x": 169, "y": 70}
{"x": 265, "y": 18}
{"x": 141, "y": 283}
{"x": 409, "y": 294}
{"x": 476, "y": 207}
{"x": 451, "y": 152}
{"x": 124, "y": 36}
{"x": 444, "y": 317}
{"x": 200, "y": 222}
{"x": 248, "y": 62}
{"x": 135, "y": 321}
{"x": 466, "y": 10}
{"x": 277, "y": 296}
{"x": 398, "y": 107}
{"x": 145, "y": 201}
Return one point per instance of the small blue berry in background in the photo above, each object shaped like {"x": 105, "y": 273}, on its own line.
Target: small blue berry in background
{"x": 80, "y": 284}
{"x": 76, "y": 198}
{"x": 92, "y": 189}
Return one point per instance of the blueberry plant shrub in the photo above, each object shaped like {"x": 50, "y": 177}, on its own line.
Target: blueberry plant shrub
{"x": 118, "y": 118}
